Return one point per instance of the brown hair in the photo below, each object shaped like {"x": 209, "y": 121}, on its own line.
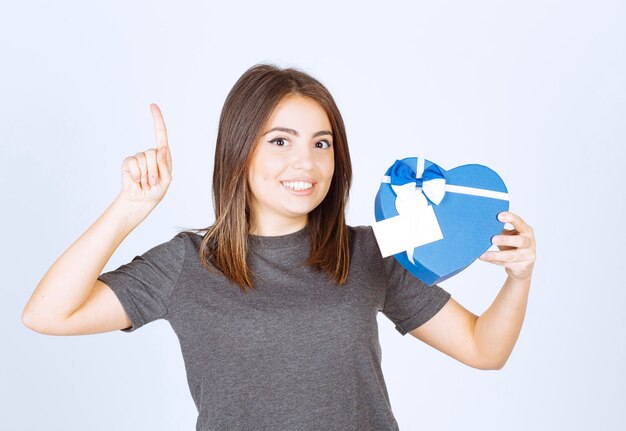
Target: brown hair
{"x": 246, "y": 110}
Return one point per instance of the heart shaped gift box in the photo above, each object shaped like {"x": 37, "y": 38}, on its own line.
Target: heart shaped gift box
{"x": 436, "y": 222}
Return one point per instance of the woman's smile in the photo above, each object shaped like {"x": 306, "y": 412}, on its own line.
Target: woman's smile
{"x": 299, "y": 187}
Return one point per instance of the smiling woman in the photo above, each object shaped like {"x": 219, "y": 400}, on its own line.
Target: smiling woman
{"x": 286, "y": 167}
{"x": 275, "y": 305}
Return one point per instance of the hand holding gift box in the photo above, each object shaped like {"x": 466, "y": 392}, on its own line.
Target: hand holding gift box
{"x": 437, "y": 222}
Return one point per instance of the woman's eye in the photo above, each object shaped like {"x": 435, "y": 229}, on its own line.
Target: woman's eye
{"x": 326, "y": 143}
{"x": 279, "y": 141}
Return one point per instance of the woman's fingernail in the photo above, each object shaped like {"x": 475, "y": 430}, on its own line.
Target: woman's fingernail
{"x": 152, "y": 180}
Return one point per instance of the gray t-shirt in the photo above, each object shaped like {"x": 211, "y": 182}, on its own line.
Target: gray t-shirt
{"x": 298, "y": 353}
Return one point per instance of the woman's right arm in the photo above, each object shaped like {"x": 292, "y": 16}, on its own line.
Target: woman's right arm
{"x": 69, "y": 300}
{"x": 70, "y": 280}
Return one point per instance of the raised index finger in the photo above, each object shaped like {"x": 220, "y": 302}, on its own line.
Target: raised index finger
{"x": 159, "y": 126}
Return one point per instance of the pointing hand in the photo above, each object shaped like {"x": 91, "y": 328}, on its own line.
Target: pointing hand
{"x": 147, "y": 175}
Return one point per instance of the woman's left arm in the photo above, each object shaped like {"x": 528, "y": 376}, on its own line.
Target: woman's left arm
{"x": 486, "y": 342}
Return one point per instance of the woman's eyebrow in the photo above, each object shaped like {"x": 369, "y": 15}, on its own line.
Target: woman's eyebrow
{"x": 294, "y": 132}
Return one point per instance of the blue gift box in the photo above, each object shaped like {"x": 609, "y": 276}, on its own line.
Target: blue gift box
{"x": 436, "y": 222}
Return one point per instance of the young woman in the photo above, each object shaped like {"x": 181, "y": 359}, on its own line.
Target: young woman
{"x": 275, "y": 304}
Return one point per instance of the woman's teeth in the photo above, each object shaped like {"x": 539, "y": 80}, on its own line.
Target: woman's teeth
{"x": 298, "y": 185}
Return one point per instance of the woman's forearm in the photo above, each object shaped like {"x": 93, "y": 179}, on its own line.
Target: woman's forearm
{"x": 69, "y": 281}
{"x": 497, "y": 329}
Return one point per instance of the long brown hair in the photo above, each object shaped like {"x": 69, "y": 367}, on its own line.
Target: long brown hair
{"x": 247, "y": 108}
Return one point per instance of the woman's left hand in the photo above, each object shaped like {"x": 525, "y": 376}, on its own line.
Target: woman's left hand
{"x": 517, "y": 247}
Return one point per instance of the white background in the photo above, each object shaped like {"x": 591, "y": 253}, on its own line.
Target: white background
{"x": 535, "y": 90}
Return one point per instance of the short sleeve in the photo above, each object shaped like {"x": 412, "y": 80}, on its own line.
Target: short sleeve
{"x": 145, "y": 285}
{"x": 409, "y": 302}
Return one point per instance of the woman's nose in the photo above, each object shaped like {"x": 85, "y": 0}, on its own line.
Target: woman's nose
{"x": 302, "y": 157}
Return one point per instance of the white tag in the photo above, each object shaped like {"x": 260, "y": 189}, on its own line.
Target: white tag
{"x": 425, "y": 228}
{"x": 390, "y": 234}
{"x": 407, "y": 231}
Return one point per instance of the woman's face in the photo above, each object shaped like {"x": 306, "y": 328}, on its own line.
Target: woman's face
{"x": 292, "y": 166}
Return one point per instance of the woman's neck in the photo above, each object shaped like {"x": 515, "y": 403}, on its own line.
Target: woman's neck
{"x": 277, "y": 228}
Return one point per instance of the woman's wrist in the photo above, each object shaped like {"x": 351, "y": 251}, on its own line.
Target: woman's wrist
{"x": 130, "y": 214}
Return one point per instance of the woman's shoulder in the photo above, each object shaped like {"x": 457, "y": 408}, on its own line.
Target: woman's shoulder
{"x": 188, "y": 239}
{"x": 361, "y": 231}
{"x": 194, "y": 236}
{"x": 362, "y": 237}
